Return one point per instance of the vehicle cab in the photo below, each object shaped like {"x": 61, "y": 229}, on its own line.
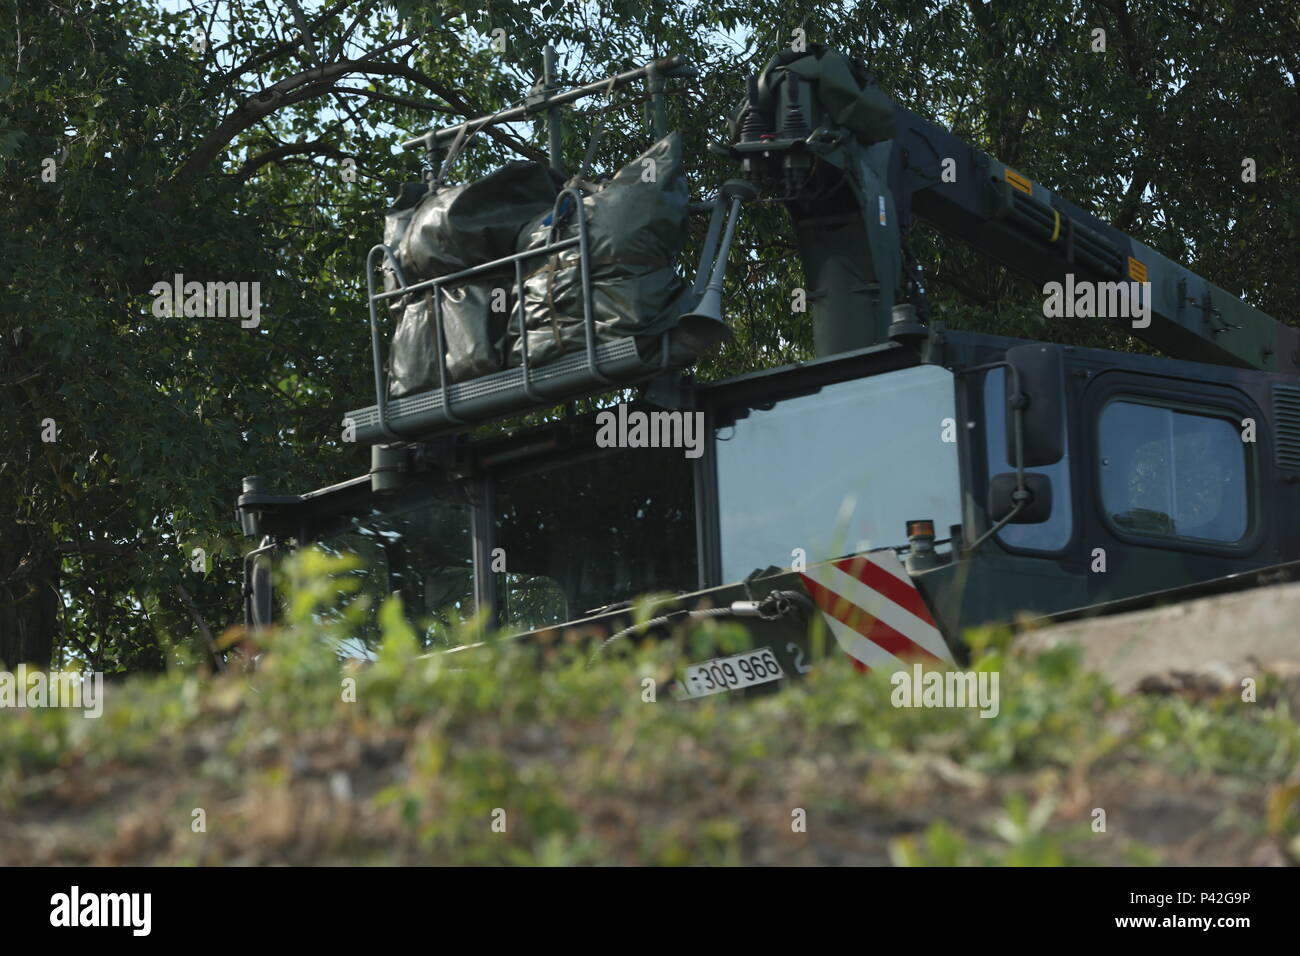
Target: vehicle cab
{"x": 803, "y": 465}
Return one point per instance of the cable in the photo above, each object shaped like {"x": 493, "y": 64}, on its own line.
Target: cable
{"x": 776, "y": 605}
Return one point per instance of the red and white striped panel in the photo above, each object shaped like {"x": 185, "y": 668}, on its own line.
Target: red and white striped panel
{"x": 874, "y": 610}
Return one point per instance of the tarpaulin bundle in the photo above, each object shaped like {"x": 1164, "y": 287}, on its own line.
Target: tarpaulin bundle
{"x": 475, "y": 316}
{"x": 636, "y": 226}
{"x": 438, "y": 234}
{"x": 477, "y": 222}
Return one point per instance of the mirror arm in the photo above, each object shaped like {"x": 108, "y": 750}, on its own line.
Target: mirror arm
{"x": 1020, "y": 433}
{"x": 250, "y": 563}
{"x": 1019, "y": 506}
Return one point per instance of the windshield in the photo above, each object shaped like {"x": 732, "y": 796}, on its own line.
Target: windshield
{"x": 568, "y": 537}
{"x": 838, "y": 472}
{"x": 418, "y": 546}
{"x": 579, "y": 535}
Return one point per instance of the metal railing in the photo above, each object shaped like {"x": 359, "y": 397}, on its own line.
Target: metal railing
{"x": 554, "y": 247}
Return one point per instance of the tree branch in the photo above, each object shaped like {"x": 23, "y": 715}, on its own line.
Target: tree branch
{"x": 306, "y": 40}
{"x": 318, "y": 82}
{"x": 1129, "y": 205}
{"x": 340, "y": 48}
{"x": 94, "y": 547}
{"x": 424, "y": 105}
{"x": 281, "y": 48}
{"x": 314, "y": 148}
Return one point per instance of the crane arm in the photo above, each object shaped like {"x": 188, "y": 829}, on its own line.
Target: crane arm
{"x": 855, "y": 170}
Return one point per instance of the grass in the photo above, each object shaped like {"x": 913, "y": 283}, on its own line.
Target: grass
{"x": 485, "y": 757}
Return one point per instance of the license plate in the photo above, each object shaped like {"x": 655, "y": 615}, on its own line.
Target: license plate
{"x": 730, "y": 673}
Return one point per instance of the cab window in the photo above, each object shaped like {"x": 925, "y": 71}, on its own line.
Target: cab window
{"x": 578, "y": 535}
{"x": 1166, "y": 472}
{"x": 839, "y": 471}
{"x": 417, "y": 546}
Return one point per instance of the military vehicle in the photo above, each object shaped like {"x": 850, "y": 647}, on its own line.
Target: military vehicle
{"x": 908, "y": 483}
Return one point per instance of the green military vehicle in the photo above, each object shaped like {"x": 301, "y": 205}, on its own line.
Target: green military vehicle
{"x": 908, "y": 483}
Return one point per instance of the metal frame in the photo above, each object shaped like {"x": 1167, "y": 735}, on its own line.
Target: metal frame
{"x": 673, "y": 66}
{"x": 432, "y": 411}
{"x": 708, "y": 540}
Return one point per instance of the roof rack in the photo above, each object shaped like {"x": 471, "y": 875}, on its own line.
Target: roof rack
{"x": 497, "y": 394}
{"x": 599, "y": 366}
{"x": 546, "y": 98}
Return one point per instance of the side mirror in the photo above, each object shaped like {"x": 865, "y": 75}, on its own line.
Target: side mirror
{"x": 1041, "y": 373}
{"x": 1036, "y": 510}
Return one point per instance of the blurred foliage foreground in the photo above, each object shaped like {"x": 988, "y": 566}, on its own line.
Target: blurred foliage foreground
{"x": 484, "y": 757}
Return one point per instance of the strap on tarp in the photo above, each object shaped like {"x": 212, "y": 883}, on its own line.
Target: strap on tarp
{"x": 596, "y": 135}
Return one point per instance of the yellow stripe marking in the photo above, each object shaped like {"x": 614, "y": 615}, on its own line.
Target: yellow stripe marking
{"x": 1018, "y": 181}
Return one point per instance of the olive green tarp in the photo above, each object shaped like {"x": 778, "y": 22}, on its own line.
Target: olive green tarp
{"x": 438, "y": 234}
{"x": 636, "y": 227}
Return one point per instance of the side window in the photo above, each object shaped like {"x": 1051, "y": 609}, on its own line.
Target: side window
{"x": 1172, "y": 473}
{"x": 1054, "y": 533}
{"x": 838, "y": 471}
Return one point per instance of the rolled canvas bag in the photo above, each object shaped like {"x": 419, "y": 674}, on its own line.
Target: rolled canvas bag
{"x": 476, "y": 222}
{"x": 636, "y": 226}
{"x": 409, "y": 353}
{"x": 412, "y": 359}
{"x": 397, "y": 219}
{"x": 474, "y": 320}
